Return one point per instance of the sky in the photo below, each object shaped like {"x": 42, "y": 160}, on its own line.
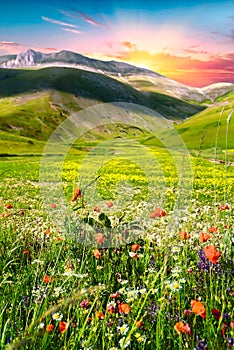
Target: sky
{"x": 189, "y": 41}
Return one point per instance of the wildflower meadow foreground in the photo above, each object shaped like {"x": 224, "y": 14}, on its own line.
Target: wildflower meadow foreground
{"x": 150, "y": 288}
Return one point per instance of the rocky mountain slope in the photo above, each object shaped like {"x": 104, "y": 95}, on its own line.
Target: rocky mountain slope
{"x": 141, "y": 79}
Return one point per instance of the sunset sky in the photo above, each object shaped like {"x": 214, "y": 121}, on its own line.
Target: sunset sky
{"x": 189, "y": 41}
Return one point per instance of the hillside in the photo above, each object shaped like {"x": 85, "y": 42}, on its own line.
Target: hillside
{"x": 89, "y": 85}
{"x": 139, "y": 78}
{"x": 210, "y": 124}
{"x": 34, "y": 102}
{"x": 155, "y": 84}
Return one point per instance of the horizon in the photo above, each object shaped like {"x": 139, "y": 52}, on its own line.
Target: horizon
{"x": 173, "y": 39}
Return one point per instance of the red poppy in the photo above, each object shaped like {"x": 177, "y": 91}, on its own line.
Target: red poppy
{"x": 212, "y": 254}
{"x": 110, "y": 204}
{"x": 135, "y": 247}
{"x": 213, "y": 229}
{"x": 158, "y": 213}
{"x": 181, "y": 327}
{"x": 114, "y": 295}
{"x": 97, "y": 253}
{"x": 47, "y": 231}
{"x": 9, "y": 206}
{"x": 77, "y": 194}
{"x": 47, "y": 279}
{"x": 204, "y": 237}
{"x": 224, "y": 207}
{"x": 53, "y": 205}
{"x": 139, "y": 323}
{"x": 184, "y": 235}
{"x": 133, "y": 255}
{"x": 97, "y": 209}
{"x": 50, "y": 328}
{"x": 216, "y": 313}
{"x": 26, "y": 251}
{"x": 198, "y": 308}
{"x": 111, "y": 308}
{"x": 99, "y": 238}
{"x": 224, "y": 328}
{"x": 124, "y": 308}
{"x": 62, "y": 326}
{"x": 99, "y": 315}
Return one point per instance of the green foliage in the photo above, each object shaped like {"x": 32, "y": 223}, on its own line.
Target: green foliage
{"x": 49, "y": 276}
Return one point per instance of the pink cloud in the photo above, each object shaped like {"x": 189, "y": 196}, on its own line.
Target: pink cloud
{"x": 55, "y": 21}
{"x": 197, "y": 52}
{"x": 74, "y": 13}
{"x": 50, "y": 49}
{"x": 129, "y": 45}
{"x": 9, "y": 43}
{"x": 10, "y": 47}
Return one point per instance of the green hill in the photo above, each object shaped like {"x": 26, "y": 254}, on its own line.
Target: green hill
{"x": 210, "y": 127}
{"x": 33, "y": 102}
{"x": 89, "y": 85}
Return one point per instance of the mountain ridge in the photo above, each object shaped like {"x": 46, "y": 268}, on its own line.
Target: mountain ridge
{"x": 122, "y": 71}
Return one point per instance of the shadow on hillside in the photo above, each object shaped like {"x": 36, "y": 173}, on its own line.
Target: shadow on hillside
{"x": 89, "y": 85}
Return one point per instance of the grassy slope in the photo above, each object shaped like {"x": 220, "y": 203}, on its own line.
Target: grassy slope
{"x": 89, "y": 85}
{"x": 35, "y": 118}
{"x": 34, "y": 102}
{"x": 208, "y": 124}
{"x": 28, "y": 117}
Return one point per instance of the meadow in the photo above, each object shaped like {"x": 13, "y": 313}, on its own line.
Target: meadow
{"x": 163, "y": 281}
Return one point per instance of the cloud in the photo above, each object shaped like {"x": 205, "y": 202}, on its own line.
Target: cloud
{"x": 197, "y": 52}
{"x": 72, "y": 30}
{"x": 194, "y": 46}
{"x": 50, "y": 49}
{"x": 129, "y": 45}
{"x": 224, "y": 36}
{"x": 10, "y": 47}
{"x": 74, "y": 13}
{"x": 186, "y": 69}
{"x": 54, "y": 21}
{"x": 9, "y": 43}
{"x": 231, "y": 35}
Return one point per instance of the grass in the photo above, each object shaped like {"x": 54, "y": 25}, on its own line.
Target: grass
{"x": 61, "y": 292}
{"x": 123, "y": 265}
{"x": 89, "y": 86}
{"x": 35, "y": 118}
{"x": 205, "y": 126}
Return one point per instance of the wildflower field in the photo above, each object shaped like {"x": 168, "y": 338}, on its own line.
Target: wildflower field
{"x": 163, "y": 283}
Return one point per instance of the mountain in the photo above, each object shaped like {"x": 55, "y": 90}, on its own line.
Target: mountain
{"x": 31, "y": 58}
{"x": 33, "y": 102}
{"x": 83, "y": 88}
{"x": 216, "y": 90}
{"x": 144, "y": 80}
{"x": 6, "y": 58}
